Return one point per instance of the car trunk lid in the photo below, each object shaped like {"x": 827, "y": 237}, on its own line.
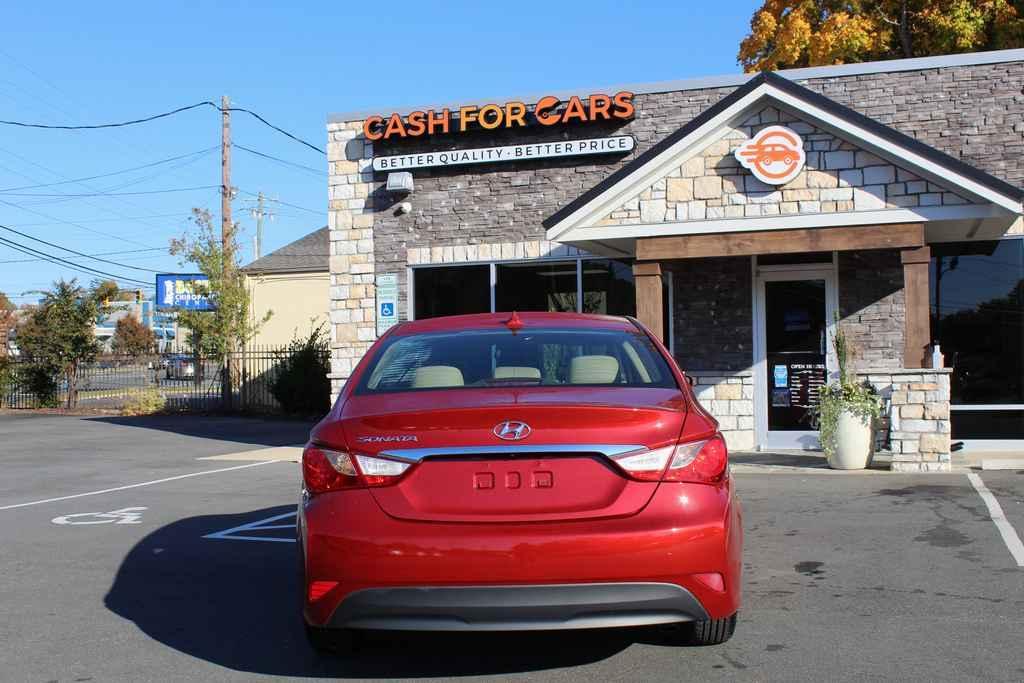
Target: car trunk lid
{"x": 561, "y": 470}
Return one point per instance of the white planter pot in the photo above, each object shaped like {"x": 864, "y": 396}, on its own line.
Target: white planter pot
{"x": 854, "y": 444}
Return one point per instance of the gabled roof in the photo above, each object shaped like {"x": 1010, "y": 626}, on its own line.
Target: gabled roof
{"x": 770, "y": 88}
{"x": 306, "y": 254}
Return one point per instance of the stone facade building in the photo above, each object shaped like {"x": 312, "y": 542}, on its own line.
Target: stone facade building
{"x": 905, "y": 192}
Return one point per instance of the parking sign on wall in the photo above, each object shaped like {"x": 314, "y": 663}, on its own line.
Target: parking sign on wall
{"x": 387, "y": 302}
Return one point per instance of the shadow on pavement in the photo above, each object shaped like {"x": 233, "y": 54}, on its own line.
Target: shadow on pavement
{"x": 236, "y": 604}
{"x": 247, "y": 430}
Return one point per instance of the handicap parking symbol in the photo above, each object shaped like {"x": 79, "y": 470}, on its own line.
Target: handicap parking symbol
{"x": 387, "y": 309}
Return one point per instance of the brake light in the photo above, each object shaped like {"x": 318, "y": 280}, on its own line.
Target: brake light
{"x": 325, "y": 470}
{"x": 704, "y": 461}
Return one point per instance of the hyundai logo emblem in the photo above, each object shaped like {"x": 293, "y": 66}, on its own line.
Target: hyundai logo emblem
{"x": 512, "y": 430}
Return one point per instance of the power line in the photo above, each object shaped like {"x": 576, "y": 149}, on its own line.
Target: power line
{"x": 282, "y": 161}
{"x": 154, "y": 117}
{"x": 283, "y": 203}
{"x": 102, "y": 253}
{"x": 121, "y": 124}
{"x": 113, "y": 173}
{"x": 106, "y": 220}
{"x": 77, "y": 225}
{"x": 76, "y": 253}
{"x": 107, "y": 194}
{"x": 59, "y": 261}
{"x": 279, "y": 130}
{"x": 101, "y": 207}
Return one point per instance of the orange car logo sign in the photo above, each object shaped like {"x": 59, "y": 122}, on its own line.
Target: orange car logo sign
{"x": 774, "y": 155}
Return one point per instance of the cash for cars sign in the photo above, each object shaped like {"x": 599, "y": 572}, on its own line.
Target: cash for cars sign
{"x": 190, "y": 292}
{"x": 487, "y": 155}
{"x": 545, "y": 113}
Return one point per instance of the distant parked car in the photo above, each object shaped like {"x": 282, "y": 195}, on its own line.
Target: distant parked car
{"x": 181, "y": 366}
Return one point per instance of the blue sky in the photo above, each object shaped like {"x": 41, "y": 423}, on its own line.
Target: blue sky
{"x": 83, "y": 63}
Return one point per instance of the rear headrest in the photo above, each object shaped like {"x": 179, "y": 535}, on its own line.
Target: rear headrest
{"x": 437, "y": 376}
{"x": 593, "y": 370}
{"x": 516, "y": 371}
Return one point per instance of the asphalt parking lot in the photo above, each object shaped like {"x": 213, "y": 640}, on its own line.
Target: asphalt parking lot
{"x": 869, "y": 576}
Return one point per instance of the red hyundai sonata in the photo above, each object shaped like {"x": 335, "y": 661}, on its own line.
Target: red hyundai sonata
{"x": 518, "y": 472}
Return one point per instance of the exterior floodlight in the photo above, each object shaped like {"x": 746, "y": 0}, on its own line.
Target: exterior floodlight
{"x": 400, "y": 182}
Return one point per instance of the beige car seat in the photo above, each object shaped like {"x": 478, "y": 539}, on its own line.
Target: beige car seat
{"x": 516, "y": 372}
{"x": 437, "y": 376}
{"x": 593, "y": 370}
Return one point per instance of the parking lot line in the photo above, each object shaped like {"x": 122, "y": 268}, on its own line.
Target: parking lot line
{"x": 995, "y": 511}
{"x": 133, "y": 486}
{"x": 259, "y": 525}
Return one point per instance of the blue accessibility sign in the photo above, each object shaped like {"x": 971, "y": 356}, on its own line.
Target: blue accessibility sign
{"x": 387, "y": 309}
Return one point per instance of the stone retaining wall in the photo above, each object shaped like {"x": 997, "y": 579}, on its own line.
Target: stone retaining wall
{"x": 915, "y": 425}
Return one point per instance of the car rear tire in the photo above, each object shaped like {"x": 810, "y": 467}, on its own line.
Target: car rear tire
{"x": 713, "y": 631}
{"x": 331, "y": 641}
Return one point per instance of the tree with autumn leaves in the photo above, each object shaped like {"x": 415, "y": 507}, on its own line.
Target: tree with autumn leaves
{"x": 795, "y": 33}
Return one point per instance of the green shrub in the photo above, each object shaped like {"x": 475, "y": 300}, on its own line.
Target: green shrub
{"x": 42, "y": 381}
{"x": 301, "y": 385}
{"x": 144, "y": 402}
{"x": 8, "y": 380}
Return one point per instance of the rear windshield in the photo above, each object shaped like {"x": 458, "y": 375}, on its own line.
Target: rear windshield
{"x": 541, "y": 357}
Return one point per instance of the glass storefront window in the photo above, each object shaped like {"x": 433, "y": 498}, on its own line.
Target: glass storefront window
{"x": 608, "y": 287}
{"x": 453, "y": 290}
{"x": 536, "y": 287}
{"x": 977, "y": 306}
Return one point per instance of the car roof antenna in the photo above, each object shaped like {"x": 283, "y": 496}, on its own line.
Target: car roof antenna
{"x": 514, "y": 323}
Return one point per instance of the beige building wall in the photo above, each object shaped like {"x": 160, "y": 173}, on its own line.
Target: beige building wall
{"x": 299, "y": 302}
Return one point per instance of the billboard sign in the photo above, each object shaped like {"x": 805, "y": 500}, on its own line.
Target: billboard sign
{"x": 186, "y": 292}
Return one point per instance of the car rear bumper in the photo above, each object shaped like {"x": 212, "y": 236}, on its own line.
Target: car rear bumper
{"x": 515, "y": 608}
{"x": 352, "y": 550}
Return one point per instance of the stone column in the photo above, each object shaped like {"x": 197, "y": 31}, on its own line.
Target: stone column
{"x": 350, "y": 189}
{"x": 647, "y": 276}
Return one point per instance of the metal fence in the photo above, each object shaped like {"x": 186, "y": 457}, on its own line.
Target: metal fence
{"x": 184, "y": 382}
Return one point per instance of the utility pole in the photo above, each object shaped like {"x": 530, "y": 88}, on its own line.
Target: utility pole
{"x": 259, "y": 213}
{"x": 226, "y": 230}
{"x": 225, "y": 182}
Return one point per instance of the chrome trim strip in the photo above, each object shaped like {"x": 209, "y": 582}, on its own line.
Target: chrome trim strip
{"x": 417, "y": 454}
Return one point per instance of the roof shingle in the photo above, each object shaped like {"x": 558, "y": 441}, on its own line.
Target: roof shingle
{"x": 306, "y": 254}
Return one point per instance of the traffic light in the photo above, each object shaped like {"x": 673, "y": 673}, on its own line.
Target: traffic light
{"x": 138, "y": 296}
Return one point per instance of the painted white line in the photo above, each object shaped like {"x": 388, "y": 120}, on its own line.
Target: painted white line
{"x": 258, "y": 525}
{"x": 135, "y": 486}
{"x": 995, "y": 511}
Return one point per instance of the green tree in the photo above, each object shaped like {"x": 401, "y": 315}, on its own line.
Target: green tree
{"x": 215, "y": 334}
{"x": 133, "y": 338}
{"x": 58, "y": 337}
{"x": 6, "y": 322}
{"x": 795, "y": 33}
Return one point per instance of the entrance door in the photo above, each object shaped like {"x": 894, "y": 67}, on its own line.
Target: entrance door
{"x": 795, "y": 327}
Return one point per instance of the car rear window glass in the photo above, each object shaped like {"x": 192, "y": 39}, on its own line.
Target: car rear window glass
{"x": 538, "y": 357}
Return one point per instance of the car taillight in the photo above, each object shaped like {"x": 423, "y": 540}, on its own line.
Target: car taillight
{"x": 325, "y": 470}
{"x": 703, "y": 461}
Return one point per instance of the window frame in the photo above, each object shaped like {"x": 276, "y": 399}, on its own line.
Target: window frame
{"x": 493, "y": 266}
{"x": 984, "y": 444}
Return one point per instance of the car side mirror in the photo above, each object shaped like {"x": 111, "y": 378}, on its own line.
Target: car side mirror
{"x": 690, "y": 380}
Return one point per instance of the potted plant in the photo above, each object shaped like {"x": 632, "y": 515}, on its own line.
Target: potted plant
{"x": 845, "y": 415}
